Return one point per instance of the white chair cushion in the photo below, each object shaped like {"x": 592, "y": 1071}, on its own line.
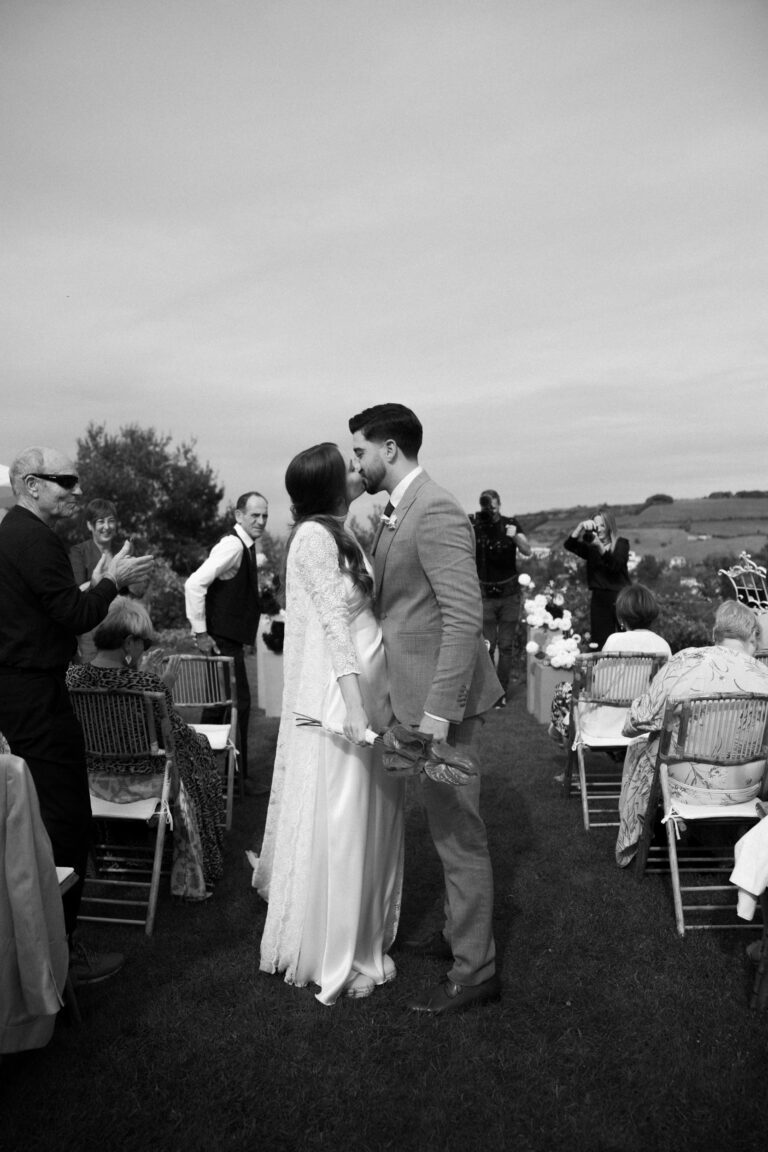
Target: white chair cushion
{"x": 216, "y": 734}
{"x": 133, "y": 810}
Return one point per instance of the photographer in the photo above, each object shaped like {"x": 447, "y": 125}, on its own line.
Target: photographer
{"x": 497, "y": 541}
{"x": 606, "y": 553}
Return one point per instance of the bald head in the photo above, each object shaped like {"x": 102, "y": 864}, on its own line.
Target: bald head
{"x": 41, "y": 479}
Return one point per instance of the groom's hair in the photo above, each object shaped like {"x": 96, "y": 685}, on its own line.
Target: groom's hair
{"x": 391, "y": 422}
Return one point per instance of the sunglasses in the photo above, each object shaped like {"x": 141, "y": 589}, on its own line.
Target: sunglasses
{"x": 63, "y": 479}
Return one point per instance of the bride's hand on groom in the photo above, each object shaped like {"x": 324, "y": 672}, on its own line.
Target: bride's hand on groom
{"x": 355, "y": 724}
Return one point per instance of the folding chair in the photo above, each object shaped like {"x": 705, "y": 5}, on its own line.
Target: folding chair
{"x": 207, "y": 682}
{"x": 748, "y": 581}
{"x": 705, "y": 735}
{"x": 123, "y": 731}
{"x": 604, "y": 686}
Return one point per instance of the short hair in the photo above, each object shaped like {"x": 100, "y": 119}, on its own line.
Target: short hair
{"x": 243, "y": 500}
{"x": 492, "y": 493}
{"x": 98, "y": 508}
{"x": 636, "y": 607}
{"x": 126, "y": 617}
{"x": 734, "y": 621}
{"x": 28, "y": 460}
{"x": 391, "y": 422}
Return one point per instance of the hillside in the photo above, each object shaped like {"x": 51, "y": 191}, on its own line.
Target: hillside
{"x": 691, "y": 528}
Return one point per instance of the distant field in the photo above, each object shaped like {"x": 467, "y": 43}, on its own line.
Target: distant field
{"x": 733, "y": 525}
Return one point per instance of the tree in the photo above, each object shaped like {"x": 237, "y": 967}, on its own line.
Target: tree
{"x": 659, "y": 498}
{"x": 164, "y": 495}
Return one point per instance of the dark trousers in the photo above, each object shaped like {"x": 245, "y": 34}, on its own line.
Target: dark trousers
{"x": 37, "y": 720}
{"x": 602, "y": 615}
{"x": 500, "y": 621}
{"x": 243, "y": 697}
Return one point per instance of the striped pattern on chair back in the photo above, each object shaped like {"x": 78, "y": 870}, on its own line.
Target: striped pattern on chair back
{"x": 717, "y": 729}
{"x": 123, "y": 728}
{"x": 204, "y": 680}
{"x": 615, "y": 678}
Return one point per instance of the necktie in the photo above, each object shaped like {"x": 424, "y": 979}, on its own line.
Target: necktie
{"x": 389, "y": 508}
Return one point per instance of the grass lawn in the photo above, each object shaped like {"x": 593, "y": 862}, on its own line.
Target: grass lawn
{"x": 613, "y": 1034}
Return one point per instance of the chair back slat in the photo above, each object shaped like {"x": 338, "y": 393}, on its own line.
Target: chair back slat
{"x": 123, "y": 727}
{"x": 204, "y": 680}
{"x": 720, "y": 729}
{"x": 748, "y": 581}
{"x": 614, "y": 678}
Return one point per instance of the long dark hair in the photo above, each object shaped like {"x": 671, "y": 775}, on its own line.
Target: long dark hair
{"x": 316, "y": 481}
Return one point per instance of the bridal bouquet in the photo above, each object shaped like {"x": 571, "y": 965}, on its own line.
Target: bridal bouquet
{"x": 406, "y": 753}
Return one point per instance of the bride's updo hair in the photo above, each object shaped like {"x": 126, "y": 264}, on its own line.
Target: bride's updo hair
{"x": 316, "y": 481}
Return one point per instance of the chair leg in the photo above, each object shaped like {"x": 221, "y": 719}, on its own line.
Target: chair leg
{"x": 674, "y": 868}
{"x": 649, "y": 825}
{"x": 154, "y": 886}
{"x": 583, "y": 785}
{"x": 231, "y": 762}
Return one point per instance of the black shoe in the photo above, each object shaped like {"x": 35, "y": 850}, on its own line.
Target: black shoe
{"x": 501, "y": 702}
{"x": 89, "y": 967}
{"x": 435, "y": 945}
{"x": 450, "y": 997}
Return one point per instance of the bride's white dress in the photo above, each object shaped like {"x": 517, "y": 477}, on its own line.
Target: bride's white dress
{"x": 332, "y": 857}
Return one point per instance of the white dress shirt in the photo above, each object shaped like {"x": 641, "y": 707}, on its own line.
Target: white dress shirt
{"x": 398, "y": 491}
{"x": 222, "y": 563}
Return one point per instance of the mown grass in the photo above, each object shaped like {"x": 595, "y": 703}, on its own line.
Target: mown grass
{"x": 613, "y": 1035}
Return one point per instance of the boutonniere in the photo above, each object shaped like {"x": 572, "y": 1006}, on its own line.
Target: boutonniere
{"x": 390, "y": 521}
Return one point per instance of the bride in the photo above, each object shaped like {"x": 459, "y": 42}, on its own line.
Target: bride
{"x": 331, "y": 861}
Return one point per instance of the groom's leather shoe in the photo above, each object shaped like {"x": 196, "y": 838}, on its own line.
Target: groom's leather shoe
{"x": 435, "y": 945}
{"x": 450, "y": 997}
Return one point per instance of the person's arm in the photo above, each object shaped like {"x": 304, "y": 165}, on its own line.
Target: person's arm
{"x": 316, "y": 560}
{"x": 647, "y": 712}
{"x": 445, "y": 550}
{"x": 79, "y": 571}
{"x": 224, "y": 559}
{"x": 523, "y": 546}
{"x": 48, "y": 575}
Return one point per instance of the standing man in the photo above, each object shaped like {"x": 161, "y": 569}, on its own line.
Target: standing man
{"x": 43, "y": 611}
{"x": 498, "y": 539}
{"x": 223, "y": 607}
{"x": 441, "y": 680}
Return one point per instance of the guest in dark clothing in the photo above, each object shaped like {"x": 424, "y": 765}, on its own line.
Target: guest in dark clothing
{"x": 606, "y": 553}
{"x": 43, "y": 611}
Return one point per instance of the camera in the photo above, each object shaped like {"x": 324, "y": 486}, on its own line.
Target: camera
{"x": 485, "y": 515}
{"x": 588, "y": 537}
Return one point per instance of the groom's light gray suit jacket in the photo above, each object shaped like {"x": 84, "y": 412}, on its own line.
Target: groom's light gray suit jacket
{"x": 427, "y": 598}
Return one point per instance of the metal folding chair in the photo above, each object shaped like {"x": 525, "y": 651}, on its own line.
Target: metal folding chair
{"x": 604, "y": 684}
{"x": 704, "y": 734}
{"x": 124, "y": 731}
{"x": 206, "y": 682}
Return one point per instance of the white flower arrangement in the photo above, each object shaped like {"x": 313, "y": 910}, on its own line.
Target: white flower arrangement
{"x": 538, "y": 615}
{"x": 562, "y": 652}
{"x": 525, "y": 581}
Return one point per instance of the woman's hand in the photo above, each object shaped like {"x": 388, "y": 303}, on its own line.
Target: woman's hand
{"x": 355, "y": 724}
{"x": 171, "y": 673}
{"x": 152, "y": 661}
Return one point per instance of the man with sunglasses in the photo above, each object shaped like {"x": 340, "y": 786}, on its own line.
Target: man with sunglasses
{"x": 43, "y": 611}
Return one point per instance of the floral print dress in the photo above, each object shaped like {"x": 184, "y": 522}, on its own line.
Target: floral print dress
{"x": 692, "y": 672}
{"x": 197, "y": 809}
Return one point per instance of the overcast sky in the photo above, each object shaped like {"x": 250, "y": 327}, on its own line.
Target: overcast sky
{"x": 540, "y": 223}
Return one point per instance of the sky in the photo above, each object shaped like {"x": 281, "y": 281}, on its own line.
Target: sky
{"x": 541, "y": 225}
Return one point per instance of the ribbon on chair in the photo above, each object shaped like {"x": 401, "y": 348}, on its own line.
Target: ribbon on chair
{"x": 678, "y": 823}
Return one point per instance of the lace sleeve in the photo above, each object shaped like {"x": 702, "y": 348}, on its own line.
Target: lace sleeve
{"x": 316, "y": 564}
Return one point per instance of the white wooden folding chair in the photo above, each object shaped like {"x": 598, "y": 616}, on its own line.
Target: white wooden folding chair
{"x": 205, "y": 682}
{"x": 705, "y": 735}
{"x": 604, "y": 686}
{"x": 124, "y": 732}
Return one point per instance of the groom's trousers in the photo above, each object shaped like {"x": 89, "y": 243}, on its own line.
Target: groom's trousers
{"x": 459, "y": 835}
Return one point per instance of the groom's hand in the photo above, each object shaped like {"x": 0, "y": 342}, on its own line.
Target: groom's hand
{"x": 437, "y": 729}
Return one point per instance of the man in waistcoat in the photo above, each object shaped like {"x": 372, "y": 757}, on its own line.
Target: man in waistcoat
{"x": 222, "y": 602}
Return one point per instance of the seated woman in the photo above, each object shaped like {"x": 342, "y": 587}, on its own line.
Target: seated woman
{"x": 637, "y": 609}
{"x": 121, "y": 641}
{"x": 726, "y": 667}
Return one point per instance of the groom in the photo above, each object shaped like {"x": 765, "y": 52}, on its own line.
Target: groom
{"x": 441, "y": 679}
